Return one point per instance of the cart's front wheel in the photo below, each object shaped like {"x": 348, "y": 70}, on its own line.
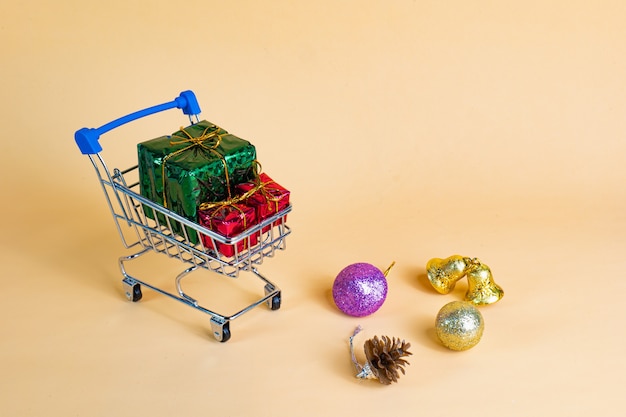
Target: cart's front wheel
{"x": 225, "y": 334}
{"x": 221, "y": 330}
{"x": 275, "y": 302}
{"x": 136, "y": 293}
{"x": 132, "y": 289}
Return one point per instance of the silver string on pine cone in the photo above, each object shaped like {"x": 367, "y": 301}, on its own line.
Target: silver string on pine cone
{"x": 385, "y": 358}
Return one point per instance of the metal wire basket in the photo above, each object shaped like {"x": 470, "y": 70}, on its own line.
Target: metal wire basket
{"x": 157, "y": 233}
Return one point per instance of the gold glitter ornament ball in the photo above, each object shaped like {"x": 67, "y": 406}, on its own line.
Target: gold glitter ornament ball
{"x": 459, "y": 325}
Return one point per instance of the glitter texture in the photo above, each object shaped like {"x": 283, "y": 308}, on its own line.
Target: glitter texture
{"x": 360, "y": 289}
{"x": 459, "y": 325}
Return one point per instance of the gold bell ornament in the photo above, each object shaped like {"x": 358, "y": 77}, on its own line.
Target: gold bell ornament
{"x": 443, "y": 275}
{"x": 481, "y": 288}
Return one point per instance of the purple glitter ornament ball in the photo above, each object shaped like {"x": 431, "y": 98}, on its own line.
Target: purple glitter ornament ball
{"x": 360, "y": 289}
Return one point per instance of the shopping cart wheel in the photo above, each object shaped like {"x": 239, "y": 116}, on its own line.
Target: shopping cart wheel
{"x": 132, "y": 289}
{"x": 274, "y": 302}
{"x": 136, "y": 296}
{"x": 225, "y": 334}
{"x": 221, "y": 329}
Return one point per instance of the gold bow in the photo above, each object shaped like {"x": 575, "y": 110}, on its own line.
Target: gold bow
{"x": 193, "y": 142}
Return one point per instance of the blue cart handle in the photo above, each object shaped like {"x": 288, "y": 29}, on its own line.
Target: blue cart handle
{"x": 87, "y": 139}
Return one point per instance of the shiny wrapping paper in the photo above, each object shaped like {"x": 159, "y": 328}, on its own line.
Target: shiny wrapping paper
{"x": 228, "y": 220}
{"x": 200, "y": 163}
{"x": 268, "y": 200}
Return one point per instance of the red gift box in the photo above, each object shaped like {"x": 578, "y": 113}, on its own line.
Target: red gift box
{"x": 228, "y": 220}
{"x": 268, "y": 197}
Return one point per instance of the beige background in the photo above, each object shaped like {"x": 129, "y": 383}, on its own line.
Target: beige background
{"x": 406, "y": 130}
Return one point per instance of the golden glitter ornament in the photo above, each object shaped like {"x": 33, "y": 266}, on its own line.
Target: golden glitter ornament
{"x": 459, "y": 325}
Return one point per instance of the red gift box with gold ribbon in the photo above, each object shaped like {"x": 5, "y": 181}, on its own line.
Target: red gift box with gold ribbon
{"x": 265, "y": 195}
{"x": 228, "y": 219}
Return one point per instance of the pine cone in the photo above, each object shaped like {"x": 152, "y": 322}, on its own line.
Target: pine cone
{"x": 385, "y": 357}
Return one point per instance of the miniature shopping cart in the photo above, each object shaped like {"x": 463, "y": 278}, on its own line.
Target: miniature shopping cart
{"x": 173, "y": 235}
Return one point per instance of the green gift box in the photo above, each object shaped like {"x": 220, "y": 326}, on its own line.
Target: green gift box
{"x": 197, "y": 164}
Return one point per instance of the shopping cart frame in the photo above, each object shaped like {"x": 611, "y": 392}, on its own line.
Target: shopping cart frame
{"x": 156, "y": 233}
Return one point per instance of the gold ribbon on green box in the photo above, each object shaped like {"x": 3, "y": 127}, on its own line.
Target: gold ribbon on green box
{"x": 215, "y": 139}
